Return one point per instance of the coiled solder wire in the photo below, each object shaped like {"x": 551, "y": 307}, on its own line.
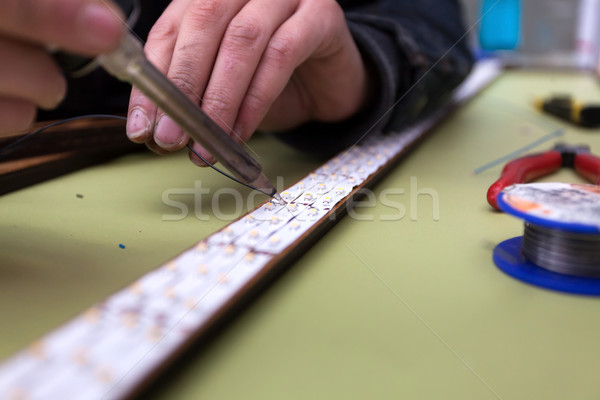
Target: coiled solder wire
{"x": 563, "y": 252}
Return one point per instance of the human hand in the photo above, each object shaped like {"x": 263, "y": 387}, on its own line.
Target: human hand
{"x": 29, "y": 77}
{"x": 267, "y": 64}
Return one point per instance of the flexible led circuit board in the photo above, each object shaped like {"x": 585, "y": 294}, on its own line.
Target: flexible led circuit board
{"x": 110, "y": 350}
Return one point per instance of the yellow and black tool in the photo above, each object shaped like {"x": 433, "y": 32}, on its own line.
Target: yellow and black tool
{"x": 571, "y": 110}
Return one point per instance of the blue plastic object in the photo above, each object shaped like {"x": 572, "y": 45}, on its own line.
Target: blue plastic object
{"x": 509, "y": 259}
{"x": 548, "y": 222}
{"x": 500, "y": 27}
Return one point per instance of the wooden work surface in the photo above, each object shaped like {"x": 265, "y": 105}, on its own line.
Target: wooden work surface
{"x": 400, "y": 299}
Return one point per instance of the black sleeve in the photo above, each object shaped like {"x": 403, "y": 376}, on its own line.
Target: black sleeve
{"x": 416, "y": 50}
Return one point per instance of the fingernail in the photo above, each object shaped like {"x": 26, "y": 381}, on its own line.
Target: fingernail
{"x": 61, "y": 93}
{"x": 138, "y": 125}
{"x": 100, "y": 25}
{"x": 196, "y": 160}
{"x": 168, "y": 135}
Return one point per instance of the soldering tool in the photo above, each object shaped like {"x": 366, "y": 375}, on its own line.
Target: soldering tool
{"x": 129, "y": 63}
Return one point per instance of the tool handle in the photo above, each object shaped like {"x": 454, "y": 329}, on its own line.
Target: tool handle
{"x": 588, "y": 166}
{"x": 522, "y": 170}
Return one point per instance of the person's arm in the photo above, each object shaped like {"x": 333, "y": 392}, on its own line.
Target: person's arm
{"x": 29, "y": 77}
{"x": 416, "y": 51}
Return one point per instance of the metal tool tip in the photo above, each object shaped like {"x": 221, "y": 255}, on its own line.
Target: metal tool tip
{"x": 278, "y": 198}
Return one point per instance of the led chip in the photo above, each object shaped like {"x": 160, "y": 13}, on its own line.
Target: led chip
{"x": 37, "y": 350}
{"x": 223, "y": 278}
{"x": 191, "y": 303}
{"x": 155, "y": 333}
{"x": 230, "y": 249}
{"x": 172, "y": 266}
{"x": 202, "y": 269}
{"x": 170, "y": 293}
{"x": 92, "y": 315}
{"x": 105, "y": 374}
{"x": 129, "y": 319}
{"x": 136, "y": 288}
{"x": 202, "y": 247}
{"x": 81, "y": 357}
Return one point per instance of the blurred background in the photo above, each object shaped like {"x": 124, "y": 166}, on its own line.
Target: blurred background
{"x": 543, "y": 33}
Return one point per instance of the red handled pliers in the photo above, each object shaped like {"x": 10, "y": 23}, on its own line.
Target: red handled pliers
{"x": 528, "y": 168}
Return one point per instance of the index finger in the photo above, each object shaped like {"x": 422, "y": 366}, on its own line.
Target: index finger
{"x": 86, "y": 27}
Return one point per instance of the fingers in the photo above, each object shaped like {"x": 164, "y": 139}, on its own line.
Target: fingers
{"x": 245, "y": 40}
{"x": 159, "y": 50}
{"x": 28, "y": 73}
{"x": 16, "y": 115}
{"x": 166, "y": 43}
{"x": 30, "y": 79}
{"x": 217, "y": 48}
{"x": 201, "y": 25}
{"x": 196, "y": 48}
{"x": 86, "y": 27}
{"x": 329, "y": 81}
{"x": 244, "y": 58}
{"x": 298, "y": 39}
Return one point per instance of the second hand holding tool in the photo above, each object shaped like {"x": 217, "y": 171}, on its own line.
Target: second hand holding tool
{"x": 129, "y": 63}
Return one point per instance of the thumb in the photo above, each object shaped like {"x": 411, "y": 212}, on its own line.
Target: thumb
{"x": 87, "y": 27}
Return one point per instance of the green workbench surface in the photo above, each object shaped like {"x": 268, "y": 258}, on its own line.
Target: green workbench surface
{"x": 401, "y": 299}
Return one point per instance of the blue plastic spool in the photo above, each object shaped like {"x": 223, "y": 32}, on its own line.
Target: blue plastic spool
{"x": 509, "y": 258}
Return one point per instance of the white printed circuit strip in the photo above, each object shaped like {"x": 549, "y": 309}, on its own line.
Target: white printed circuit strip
{"x": 111, "y": 350}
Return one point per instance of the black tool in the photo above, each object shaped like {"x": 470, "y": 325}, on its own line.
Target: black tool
{"x": 568, "y": 109}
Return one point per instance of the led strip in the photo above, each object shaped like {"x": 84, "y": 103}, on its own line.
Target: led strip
{"x": 110, "y": 350}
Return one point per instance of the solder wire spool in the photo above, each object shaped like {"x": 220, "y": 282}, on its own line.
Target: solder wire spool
{"x": 560, "y": 247}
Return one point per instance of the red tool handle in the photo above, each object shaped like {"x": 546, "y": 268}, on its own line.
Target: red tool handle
{"x": 588, "y": 166}
{"x": 525, "y": 169}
